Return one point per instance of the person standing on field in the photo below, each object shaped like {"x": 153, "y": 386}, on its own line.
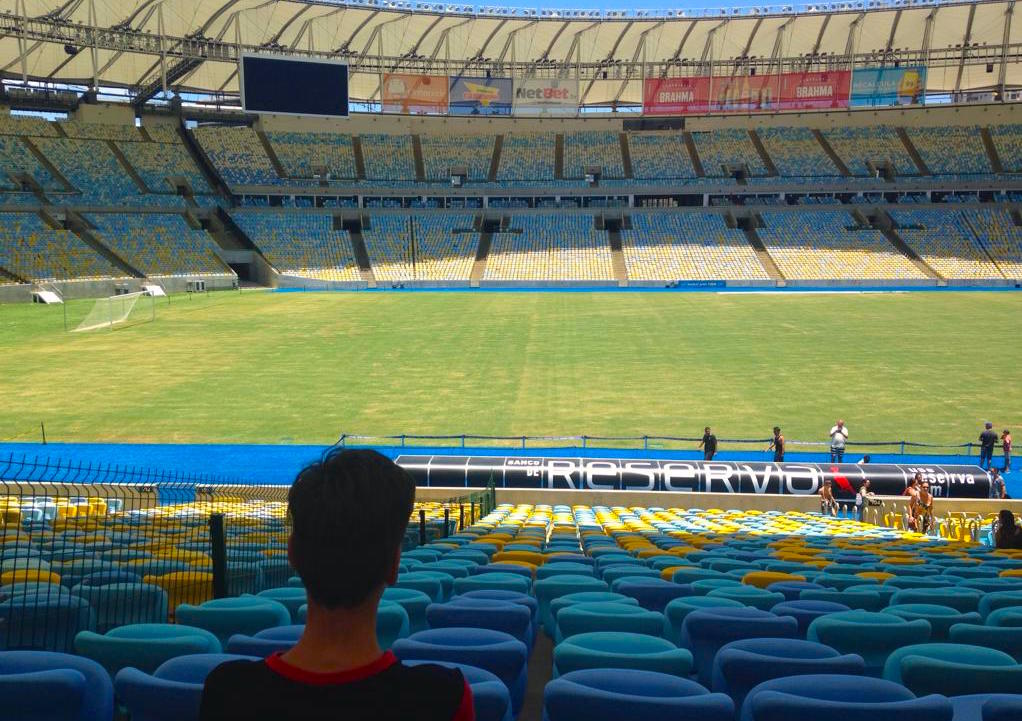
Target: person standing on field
{"x": 1006, "y": 445}
{"x": 838, "y": 440}
{"x": 987, "y": 441}
{"x": 708, "y": 444}
{"x": 777, "y": 445}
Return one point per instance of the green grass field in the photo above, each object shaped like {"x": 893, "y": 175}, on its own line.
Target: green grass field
{"x": 305, "y": 367}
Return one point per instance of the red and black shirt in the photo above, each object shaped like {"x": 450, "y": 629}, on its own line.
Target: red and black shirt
{"x": 384, "y": 690}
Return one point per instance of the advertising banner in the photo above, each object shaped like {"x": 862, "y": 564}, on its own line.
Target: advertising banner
{"x": 676, "y": 96}
{"x": 415, "y": 94}
{"x": 615, "y": 474}
{"x": 480, "y": 96}
{"x": 746, "y": 93}
{"x": 546, "y": 96}
{"x": 889, "y": 86}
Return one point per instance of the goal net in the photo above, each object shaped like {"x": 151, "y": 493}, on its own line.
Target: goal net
{"x": 118, "y": 310}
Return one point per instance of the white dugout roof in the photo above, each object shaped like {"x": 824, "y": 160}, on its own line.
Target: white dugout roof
{"x": 193, "y": 45}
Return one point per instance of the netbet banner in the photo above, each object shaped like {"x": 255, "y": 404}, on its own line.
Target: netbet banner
{"x": 546, "y": 96}
{"x": 415, "y": 94}
{"x": 614, "y": 474}
{"x": 889, "y": 86}
{"x": 480, "y": 96}
{"x": 746, "y": 93}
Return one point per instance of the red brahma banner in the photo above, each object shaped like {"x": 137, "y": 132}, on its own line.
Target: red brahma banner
{"x": 746, "y": 93}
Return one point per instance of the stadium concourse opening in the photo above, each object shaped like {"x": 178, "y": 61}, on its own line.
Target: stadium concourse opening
{"x": 666, "y": 368}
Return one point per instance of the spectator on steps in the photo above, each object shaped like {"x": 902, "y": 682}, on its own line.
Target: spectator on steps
{"x": 838, "y": 439}
{"x": 349, "y": 512}
{"x": 708, "y": 444}
{"x": 997, "y": 487}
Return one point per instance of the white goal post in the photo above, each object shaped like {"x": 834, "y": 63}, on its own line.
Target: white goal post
{"x": 117, "y": 309}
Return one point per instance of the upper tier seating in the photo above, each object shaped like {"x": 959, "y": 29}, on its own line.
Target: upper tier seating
{"x": 946, "y": 242}
{"x": 34, "y": 251}
{"x": 27, "y": 125}
{"x": 951, "y": 150}
{"x": 550, "y": 247}
{"x": 15, "y": 157}
{"x": 527, "y": 157}
{"x": 162, "y": 132}
{"x": 101, "y": 131}
{"x": 237, "y": 155}
{"x": 585, "y": 149}
{"x": 388, "y": 157}
{"x": 877, "y": 145}
{"x": 721, "y": 149}
{"x": 441, "y": 153}
{"x": 819, "y": 245}
{"x": 156, "y": 162}
{"x": 691, "y": 246}
{"x": 159, "y": 244}
{"x": 303, "y": 155}
{"x": 1007, "y": 141}
{"x": 660, "y": 156}
{"x": 92, "y": 167}
{"x": 302, "y": 244}
{"x": 797, "y": 153}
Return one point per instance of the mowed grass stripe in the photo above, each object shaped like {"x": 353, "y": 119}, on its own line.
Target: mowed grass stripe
{"x": 304, "y": 367}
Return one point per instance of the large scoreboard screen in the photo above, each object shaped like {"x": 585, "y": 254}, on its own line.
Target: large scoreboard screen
{"x": 294, "y": 86}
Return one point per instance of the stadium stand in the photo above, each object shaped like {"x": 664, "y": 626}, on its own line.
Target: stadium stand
{"x": 100, "y": 131}
{"x": 15, "y": 157}
{"x": 155, "y": 163}
{"x": 443, "y": 249}
{"x": 550, "y": 247}
{"x": 27, "y": 125}
{"x": 303, "y": 154}
{"x": 877, "y": 145}
{"x": 999, "y": 236}
{"x": 797, "y": 153}
{"x": 828, "y": 245}
{"x": 951, "y": 150}
{"x": 162, "y": 132}
{"x": 945, "y": 241}
{"x": 586, "y": 149}
{"x": 691, "y": 246}
{"x": 527, "y": 157}
{"x": 722, "y": 149}
{"x": 32, "y": 250}
{"x": 659, "y": 156}
{"x": 92, "y": 167}
{"x": 1007, "y": 140}
{"x": 440, "y": 153}
{"x": 302, "y": 244}
{"x": 237, "y": 155}
{"x": 388, "y": 157}
{"x": 159, "y": 244}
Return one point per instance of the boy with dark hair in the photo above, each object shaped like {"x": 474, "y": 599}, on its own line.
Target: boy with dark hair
{"x": 349, "y": 512}
{"x": 708, "y": 444}
{"x": 777, "y": 445}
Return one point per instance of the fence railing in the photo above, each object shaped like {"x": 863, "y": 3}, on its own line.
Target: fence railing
{"x": 645, "y": 442}
{"x": 91, "y": 547}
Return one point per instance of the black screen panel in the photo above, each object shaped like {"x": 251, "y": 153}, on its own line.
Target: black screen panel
{"x": 294, "y": 87}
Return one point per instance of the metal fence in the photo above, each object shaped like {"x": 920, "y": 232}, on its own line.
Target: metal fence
{"x": 467, "y": 440}
{"x": 92, "y": 547}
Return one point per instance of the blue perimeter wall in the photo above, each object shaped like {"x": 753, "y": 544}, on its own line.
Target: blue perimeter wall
{"x": 278, "y": 464}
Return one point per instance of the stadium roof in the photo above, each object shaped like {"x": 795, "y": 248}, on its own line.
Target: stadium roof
{"x": 193, "y": 45}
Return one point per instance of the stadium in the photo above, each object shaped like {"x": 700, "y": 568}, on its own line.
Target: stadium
{"x": 598, "y": 281}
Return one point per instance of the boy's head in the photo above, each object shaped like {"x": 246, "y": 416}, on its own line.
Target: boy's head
{"x": 348, "y": 512}
{"x": 777, "y": 430}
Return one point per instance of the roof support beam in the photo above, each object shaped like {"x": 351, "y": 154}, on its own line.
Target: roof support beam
{"x": 640, "y": 49}
{"x": 852, "y": 29}
{"x": 684, "y": 39}
{"x": 708, "y": 46}
{"x": 818, "y": 44}
{"x": 894, "y": 31}
{"x": 931, "y": 17}
{"x": 965, "y": 47}
{"x": 1002, "y": 73}
{"x": 606, "y": 60}
{"x": 748, "y": 44}
{"x": 509, "y": 41}
{"x": 775, "y": 54}
{"x": 553, "y": 41}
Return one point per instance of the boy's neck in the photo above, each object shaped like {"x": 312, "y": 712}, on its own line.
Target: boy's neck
{"x": 337, "y": 639}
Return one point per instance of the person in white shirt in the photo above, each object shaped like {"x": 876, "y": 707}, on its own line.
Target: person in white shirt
{"x": 838, "y": 439}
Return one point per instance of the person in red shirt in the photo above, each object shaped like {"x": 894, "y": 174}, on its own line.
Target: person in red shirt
{"x": 349, "y": 512}
{"x": 1006, "y": 445}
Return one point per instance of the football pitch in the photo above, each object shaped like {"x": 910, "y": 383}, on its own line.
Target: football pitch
{"x": 260, "y": 367}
